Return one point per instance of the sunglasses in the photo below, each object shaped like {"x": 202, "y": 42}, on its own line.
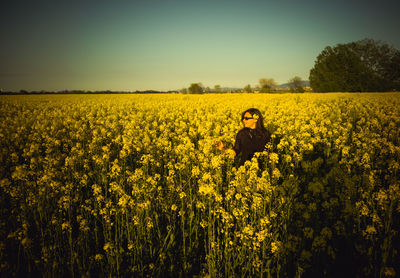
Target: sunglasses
{"x": 247, "y": 118}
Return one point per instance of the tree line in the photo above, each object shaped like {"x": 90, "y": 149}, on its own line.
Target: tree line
{"x": 362, "y": 66}
{"x": 265, "y": 85}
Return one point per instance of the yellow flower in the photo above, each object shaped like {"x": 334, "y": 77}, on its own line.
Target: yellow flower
{"x": 206, "y": 189}
{"x": 275, "y": 245}
{"x": 370, "y": 230}
{"x": 149, "y": 224}
{"x": 135, "y": 220}
{"x": 182, "y": 195}
{"x": 248, "y": 230}
{"x": 66, "y": 227}
{"x": 195, "y": 171}
{"x": 273, "y": 158}
{"x": 108, "y": 247}
{"x": 389, "y": 272}
{"x": 276, "y": 174}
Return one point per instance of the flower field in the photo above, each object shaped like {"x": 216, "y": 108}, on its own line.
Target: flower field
{"x": 132, "y": 185}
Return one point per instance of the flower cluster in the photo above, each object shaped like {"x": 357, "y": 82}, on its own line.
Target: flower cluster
{"x": 132, "y": 185}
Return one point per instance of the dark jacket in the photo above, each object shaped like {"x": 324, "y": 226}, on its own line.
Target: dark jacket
{"x": 249, "y": 141}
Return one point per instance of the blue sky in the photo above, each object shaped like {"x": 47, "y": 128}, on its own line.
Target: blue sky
{"x": 169, "y": 44}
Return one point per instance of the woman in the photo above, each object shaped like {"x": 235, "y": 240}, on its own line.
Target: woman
{"x": 250, "y": 139}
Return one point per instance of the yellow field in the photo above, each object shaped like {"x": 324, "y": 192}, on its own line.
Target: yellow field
{"x": 121, "y": 185}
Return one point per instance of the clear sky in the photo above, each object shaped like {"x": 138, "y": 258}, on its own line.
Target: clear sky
{"x": 169, "y": 44}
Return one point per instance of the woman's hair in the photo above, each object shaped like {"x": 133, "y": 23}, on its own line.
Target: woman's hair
{"x": 260, "y": 120}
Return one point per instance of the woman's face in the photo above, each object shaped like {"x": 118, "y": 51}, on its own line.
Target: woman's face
{"x": 249, "y": 121}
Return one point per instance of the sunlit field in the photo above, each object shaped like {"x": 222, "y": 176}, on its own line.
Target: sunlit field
{"x": 132, "y": 185}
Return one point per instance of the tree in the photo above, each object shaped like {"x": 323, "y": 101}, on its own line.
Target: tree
{"x": 248, "y": 89}
{"x": 382, "y": 59}
{"x": 296, "y": 85}
{"x": 196, "y": 88}
{"x": 361, "y": 66}
{"x": 217, "y": 89}
{"x": 267, "y": 85}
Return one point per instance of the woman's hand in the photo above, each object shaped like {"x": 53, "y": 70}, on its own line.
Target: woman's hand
{"x": 220, "y": 146}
